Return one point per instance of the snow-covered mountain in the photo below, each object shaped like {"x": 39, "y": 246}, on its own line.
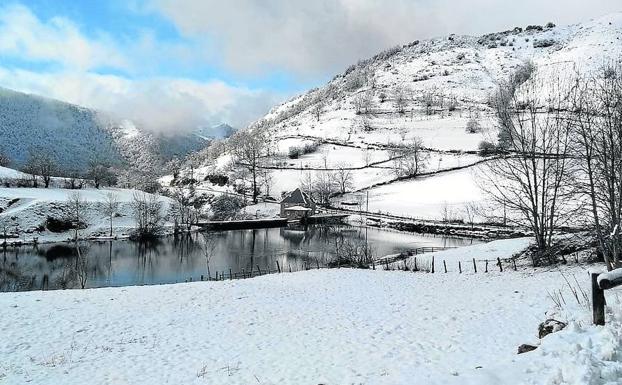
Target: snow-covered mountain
{"x": 444, "y": 81}
{"x": 426, "y": 90}
{"x": 75, "y": 136}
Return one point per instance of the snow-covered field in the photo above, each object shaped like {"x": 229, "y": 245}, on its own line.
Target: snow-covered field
{"x": 427, "y": 197}
{"x": 316, "y": 327}
{"x": 27, "y": 209}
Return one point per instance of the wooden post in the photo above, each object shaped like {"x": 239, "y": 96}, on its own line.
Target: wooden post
{"x": 500, "y": 266}
{"x": 459, "y": 267}
{"x": 290, "y": 267}
{"x": 486, "y": 271}
{"x": 416, "y": 268}
{"x": 598, "y": 301}
{"x": 258, "y": 270}
{"x": 216, "y": 275}
{"x": 445, "y": 266}
{"x": 230, "y": 275}
{"x": 514, "y": 263}
{"x": 317, "y": 264}
{"x": 201, "y": 277}
{"x": 278, "y": 267}
{"x": 474, "y": 265}
{"x": 432, "y": 264}
{"x": 373, "y": 264}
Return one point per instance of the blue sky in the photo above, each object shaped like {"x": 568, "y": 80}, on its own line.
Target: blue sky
{"x": 178, "y": 64}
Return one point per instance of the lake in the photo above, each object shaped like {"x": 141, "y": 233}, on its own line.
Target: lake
{"x": 179, "y": 259}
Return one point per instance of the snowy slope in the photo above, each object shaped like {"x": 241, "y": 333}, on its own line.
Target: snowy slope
{"x": 446, "y": 82}
{"x": 29, "y": 208}
{"x": 337, "y": 326}
{"x": 462, "y": 69}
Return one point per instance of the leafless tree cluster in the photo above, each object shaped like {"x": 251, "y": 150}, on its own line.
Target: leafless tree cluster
{"x": 363, "y": 102}
{"x": 185, "y": 209}
{"x": 596, "y": 121}
{"x": 409, "y": 158}
{"x": 564, "y": 144}
{"x": 111, "y": 207}
{"x": 148, "y": 215}
{"x": 40, "y": 164}
{"x": 532, "y": 181}
{"x": 251, "y": 148}
{"x": 321, "y": 186}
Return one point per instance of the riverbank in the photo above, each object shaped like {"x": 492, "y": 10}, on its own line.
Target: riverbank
{"x": 38, "y": 215}
{"x": 329, "y": 326}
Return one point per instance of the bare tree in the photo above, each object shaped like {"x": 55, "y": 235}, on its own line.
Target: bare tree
{"x": 344, "y": 177}
{"x": 77, "y": 212}
{"x": 5, "y": 161}
{"x": 183, "y": 208}
{"x": 250, "y": 148}
{"x": 409, "y": 158}
{"x": 400, "y": 99}
{"x": 111, "y": 207}
{"x": 531, "y": 182}
{"x": 39, "y": 163}
{"x": 207, "y": 247}
{"x": 148, "y": 215}
{"x": 597, "y": 125}
{"x": 100, "y": 173}
{"x": 317, "y": 109}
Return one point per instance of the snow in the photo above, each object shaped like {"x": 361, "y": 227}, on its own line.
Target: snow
{"x": 609, "y": 277}
{"x": 504, "y": 248}
{"x": 29, "y": 208}
{"x": 337, "y": 326}
{"x": 425, "y": 198}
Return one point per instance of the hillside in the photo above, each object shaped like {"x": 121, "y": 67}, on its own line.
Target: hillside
{"x": 426, "y": 90}
{"x": 75, "y": 136}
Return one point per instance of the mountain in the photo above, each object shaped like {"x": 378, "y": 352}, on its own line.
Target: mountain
{"x": 427, "y": 91}
{"x": 443, "y": 81}
{"x": 75, "y": 135}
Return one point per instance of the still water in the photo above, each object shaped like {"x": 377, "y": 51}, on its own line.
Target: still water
{"x": 171, "y": 259}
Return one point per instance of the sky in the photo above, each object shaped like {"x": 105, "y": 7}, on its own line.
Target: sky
{"x": 172, "y": 65}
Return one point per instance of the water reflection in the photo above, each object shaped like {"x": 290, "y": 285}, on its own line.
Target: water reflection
{"x": 179, "y": 259}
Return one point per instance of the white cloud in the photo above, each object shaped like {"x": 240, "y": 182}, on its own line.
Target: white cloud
{"x": 324, "y": 36}
{"x": 58, "y": 40}
{"x": 161, "y": 104}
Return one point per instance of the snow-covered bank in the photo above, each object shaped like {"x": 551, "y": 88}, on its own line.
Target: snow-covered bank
{"x": 25, "y": 211}
{"x": 329, "y": 326}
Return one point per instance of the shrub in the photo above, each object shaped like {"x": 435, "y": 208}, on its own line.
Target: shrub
{"x": 543, "y": 43}
{"x": 487, "y": 148}
{"x": 294, "y": 152}
{"x": 217, "y": 179}
{"x": 550, "y": 24}
{"x": 226, "y": 207}
{"x": 473, "y": 126}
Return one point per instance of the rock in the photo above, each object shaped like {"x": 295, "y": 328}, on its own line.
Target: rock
{"x": 549, "y": 326}
{"x": 524, "y": 348}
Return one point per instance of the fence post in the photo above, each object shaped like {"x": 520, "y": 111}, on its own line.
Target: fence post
{"x": 230, "y": 275}
{"x": 514, "y": 262}
{"x": 445, "y": 266}
{"x": 486, "y": 271}
{"x": 259, "y": 270}
{"x": 598, "y": 301}
{"x": 432, "y": 264}
{"x": 459, "y": 267}
{"x": 278, "y": 267}
{"x": 474, "y": 265}
{"x": 416, "y": 268}
{"x": 500, "y": 266}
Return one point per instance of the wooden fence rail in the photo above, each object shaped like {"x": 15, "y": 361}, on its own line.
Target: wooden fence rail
{"x": 600, "y": 283}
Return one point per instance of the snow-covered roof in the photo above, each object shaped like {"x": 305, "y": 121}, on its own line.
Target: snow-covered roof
{"x": 297, "y": 196}
{"x": 297, "y": 208}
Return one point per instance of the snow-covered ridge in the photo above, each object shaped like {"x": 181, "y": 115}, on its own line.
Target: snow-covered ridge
{"x": 76, "y": 136}
{"x": 464, "y": 69}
